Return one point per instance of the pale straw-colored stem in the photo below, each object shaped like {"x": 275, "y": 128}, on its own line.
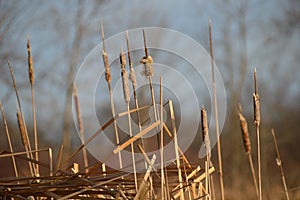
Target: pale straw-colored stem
{"x": 279, "y": 164}
{"x": 81, "y": 128}
{"x": 31, "y": 80}
{"x": 9, "y": 140}
{"x": 216, "y": 113}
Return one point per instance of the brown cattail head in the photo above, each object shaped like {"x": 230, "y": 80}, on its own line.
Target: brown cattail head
{"x": 245, "y": 132}
{"x": 122, "y": 60}
{"x": 22, "y": 129}
{"x": 106, "y": 65}
{"x": 256, "y": 105}
{"x": 205, "y": 135}
{"x": 79, "y": 119}
{"x": 124, "y": 75}
{"x": 204, "y": 123}
{"x": 30, "y": 63}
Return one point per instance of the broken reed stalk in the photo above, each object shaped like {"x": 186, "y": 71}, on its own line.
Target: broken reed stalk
{"x": 24, "y": 141}
{"x": 108, "y": 80}
{"x": 247, "y": 145}
{"x": 81, "y": 128}
{"x": 21, "y": 112}
{"x": 9, "y": 140}
{"x": 126, "y": 93}
{"x": 207, "y": 148}
{"x": 146, "y": 176}
{"x": 257, "y": 119}
{"x": 176, "y": 150}
{"x": 216, "y": 113}
{"x": 31, "y": 80}
{"x": 279, "y": 164}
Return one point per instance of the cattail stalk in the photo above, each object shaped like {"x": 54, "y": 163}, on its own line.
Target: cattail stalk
{"x": 176, "y": 150}
{"x": 207, "y": 147}
{"x": 31, "y": 80}
{"x": 9, "y": 141}
{"x": 132, "y": 77}
{"x": 148, "y": 64}
{"x": 257, "y": 119}
{"x": 108, "y": 80}
{"x": 22, "y": 116}
{"x": 247, "y": 146}
{"x": 81, "y": 128}
{"x": 161, "y": 149}
{"x": 126, "y": 93}
{"x": 279, "y": 164}
{"x": 216, "y": 113}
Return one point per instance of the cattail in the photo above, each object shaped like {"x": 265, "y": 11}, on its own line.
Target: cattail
{"x": 79, "y": 119}
{"x": 30, "y": 63}
{"x": 148, "y": 64}
{"x": 106, "y": 65}
{"x": 256, "y": 105}
{"x": 124, "y": 78}
{"x": 22, "y": 129}
{"x": 205, "y": 135}
{"x": 256, "y": 102}
{"x": 245, "y": 132}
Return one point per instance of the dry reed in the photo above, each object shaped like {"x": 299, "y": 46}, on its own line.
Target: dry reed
{"x": 80, "y": 127}
{"x": 247, "y": 146}
{"x": 257, "y": 119}
{"x": 279, "y": 164}
{"x": 31, "y": 80}
{"x": 216, "y": 113}
{"x": 9, "y": 140}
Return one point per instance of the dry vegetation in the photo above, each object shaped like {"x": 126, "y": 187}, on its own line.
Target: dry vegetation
{"x": 45, "y": 178}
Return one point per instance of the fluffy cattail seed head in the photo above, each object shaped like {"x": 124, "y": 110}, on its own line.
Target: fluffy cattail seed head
{"x": 106, "y": 65}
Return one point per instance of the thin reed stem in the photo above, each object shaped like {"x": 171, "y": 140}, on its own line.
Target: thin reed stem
{"x": 9, "y": 140}
{"x": 256, "y": 105}
{"x": 279, "y": 164}
{"x": 31, "y": 80}
{"x": 81, "y": 128}
{"x": 216, "y": 113}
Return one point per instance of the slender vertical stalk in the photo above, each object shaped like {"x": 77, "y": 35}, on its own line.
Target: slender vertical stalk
{"x": 279, "y": 163}
{"x": 148, "y": 64}
{"x": 108, "y": 80}
{"x": 126, "y": 93}
{"x": 161, "y": 149}
{"x": 9, "y": 141}
{"x": 207, "y": 147}
{"x": 31, "y": 79}
{"x": 256, "y": 105}
{"x": 81, "y": 128}
{"x": 216, "y": 113}
{"x": 176, "y": 150}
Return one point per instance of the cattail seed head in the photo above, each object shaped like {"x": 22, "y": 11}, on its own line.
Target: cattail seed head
{"x": 133, "y": 77}
{"x": 106, "y": 65}
{"x": 30, "y": 63}
{"x": 205, "y": 135}
{"x": 148, "y": 64}
{"x": 79, "y": 119}
{"x": 124, "y": 75}
{"x": 256, "y": 105}
{"x": 22, "y": 129}
{"x": 245, "y": 132}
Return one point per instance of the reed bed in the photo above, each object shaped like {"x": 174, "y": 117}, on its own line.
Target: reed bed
{"x": 177, "y": 179}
